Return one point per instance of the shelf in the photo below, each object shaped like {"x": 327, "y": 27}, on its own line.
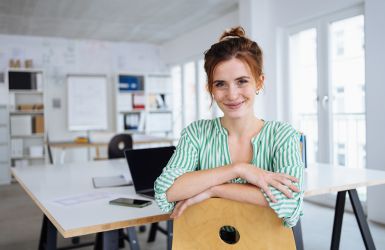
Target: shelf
{"x": 26, "y": 91}
{"x": 133, "y": 131}
{"x": 159, "y": 92}
{"x": 28, "y": 136}
{"x": 26, "y": 157}
{"x": 160, "y": 111}
{"x": 30, "y": 70}
{"x": 32, "y": 112}
{"x": 131, "y": 91}
{"x": 132, "y": 111}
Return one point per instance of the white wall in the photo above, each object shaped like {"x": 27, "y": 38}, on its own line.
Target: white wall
{"x": 58, "y": 57}
{"x": 375, "y": 90}
{"x": 193, "y": 44}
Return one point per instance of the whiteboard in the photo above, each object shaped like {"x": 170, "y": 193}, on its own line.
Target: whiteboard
{"x": 87, "y": 102}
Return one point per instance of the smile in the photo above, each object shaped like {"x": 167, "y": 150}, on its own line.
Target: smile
{"x": 235, "y": 105}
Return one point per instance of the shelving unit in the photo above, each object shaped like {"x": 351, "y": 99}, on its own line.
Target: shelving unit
{"x": 26, "y": 116}
{"x": 143, "y": 103}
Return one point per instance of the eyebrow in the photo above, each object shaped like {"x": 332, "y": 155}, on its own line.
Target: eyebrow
{"x": 238, "y": 78}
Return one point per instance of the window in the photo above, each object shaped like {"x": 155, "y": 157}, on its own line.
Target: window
{"x": 191, "y": 98}
{"x": 326, "y": 63}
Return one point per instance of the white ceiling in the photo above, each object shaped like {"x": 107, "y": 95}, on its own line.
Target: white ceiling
{"x": 153, "y": 21}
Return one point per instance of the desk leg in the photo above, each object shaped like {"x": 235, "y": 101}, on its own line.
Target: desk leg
{"x": 107, "y": 240}
{"x": 132, "y": 238}
{"x": 297, "y": 231}
{"x": 47, "y": 235}
{"x": 338, "y": 217}
{"x": 361, "y": 220}
{"x": 169, "y": 234}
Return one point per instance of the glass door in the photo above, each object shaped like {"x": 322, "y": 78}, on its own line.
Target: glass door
{"x": 327, "y": 83}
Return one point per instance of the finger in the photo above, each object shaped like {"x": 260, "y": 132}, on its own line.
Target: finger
{"x": 176, "y": 209}
{"x": 181, "y": 209}
{"x": 284, "y": 189}
{"x": 290, "y": 177}
{"x": 267, "y": 191}
{"x": 290, "y": 185}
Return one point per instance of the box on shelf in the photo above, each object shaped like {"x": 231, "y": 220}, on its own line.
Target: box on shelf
{"x": 36, "y": 151}
{"x": 30, "y": 107}
{"x": 21, "y": 125}
{"x": 38, "y": 124}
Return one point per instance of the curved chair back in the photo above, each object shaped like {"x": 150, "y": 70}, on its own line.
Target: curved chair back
{"x": 258, "y": 227}
{"x": 118, "y": 144}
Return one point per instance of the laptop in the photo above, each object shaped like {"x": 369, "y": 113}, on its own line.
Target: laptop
{"x": 146, "y": 165}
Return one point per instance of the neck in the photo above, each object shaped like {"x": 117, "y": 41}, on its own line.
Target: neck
{"x": 241, "y": 127}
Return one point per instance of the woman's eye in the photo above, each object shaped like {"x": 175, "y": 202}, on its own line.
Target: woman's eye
{"x": 219, "y": 84}
{"x": 242, "y": 81}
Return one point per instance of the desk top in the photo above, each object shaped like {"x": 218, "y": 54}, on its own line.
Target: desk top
{"x": 325, "y": 178}
{"x": 47, "y": 183}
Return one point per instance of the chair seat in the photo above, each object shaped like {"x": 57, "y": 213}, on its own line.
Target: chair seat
{"x": 259, "y": 227}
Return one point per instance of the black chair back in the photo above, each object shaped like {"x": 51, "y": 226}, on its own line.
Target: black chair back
{"x": 118, "y": 144}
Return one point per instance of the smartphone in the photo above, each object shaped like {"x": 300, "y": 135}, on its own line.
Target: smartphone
{"x": 130, "y": 202}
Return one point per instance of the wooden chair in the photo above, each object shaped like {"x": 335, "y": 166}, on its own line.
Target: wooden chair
{"x": 199, "y": 227}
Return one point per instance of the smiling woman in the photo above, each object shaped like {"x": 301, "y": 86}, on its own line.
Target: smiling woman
{"x": 238, "y": 156}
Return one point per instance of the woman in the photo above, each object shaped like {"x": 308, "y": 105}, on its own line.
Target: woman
{"x": 237, "y": 156}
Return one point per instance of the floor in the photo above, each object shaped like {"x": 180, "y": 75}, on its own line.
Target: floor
{"x": 20, "y": 222}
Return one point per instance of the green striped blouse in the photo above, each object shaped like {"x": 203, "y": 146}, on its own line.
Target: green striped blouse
{"x": 204, "y": 145}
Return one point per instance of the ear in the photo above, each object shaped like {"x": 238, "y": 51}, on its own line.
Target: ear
{"x": 260, "y": 82}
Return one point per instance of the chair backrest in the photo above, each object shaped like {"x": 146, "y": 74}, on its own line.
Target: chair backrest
{"x": 302, "y": 141}
{"x": 199, "y": 227}
{"x": 49, "y": 151}
{"x": 118, "y": 144}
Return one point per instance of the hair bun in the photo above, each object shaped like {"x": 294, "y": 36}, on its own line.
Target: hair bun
{"x": 235, "y": 32}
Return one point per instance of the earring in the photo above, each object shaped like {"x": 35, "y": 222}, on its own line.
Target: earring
{"x": 257, "y": 92}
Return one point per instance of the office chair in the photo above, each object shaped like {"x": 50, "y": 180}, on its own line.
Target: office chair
{"x": 205, "y": 226}
{"x": 118, "y": 144}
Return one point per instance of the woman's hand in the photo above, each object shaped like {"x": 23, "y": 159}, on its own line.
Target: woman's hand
{"x": 182, "y": 205}
{"x": 263, "y": 179}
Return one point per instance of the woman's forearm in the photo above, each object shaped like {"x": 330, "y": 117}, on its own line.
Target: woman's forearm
{"x": 240, "y": 192}
{"x": 193, "y": 183}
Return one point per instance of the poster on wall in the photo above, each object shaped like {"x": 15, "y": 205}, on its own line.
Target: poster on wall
{"x": 87, "y": 102}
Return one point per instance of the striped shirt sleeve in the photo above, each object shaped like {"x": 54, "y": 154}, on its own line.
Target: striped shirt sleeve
{"x": 287, "y": 159}
{"x": 184, "y": 159}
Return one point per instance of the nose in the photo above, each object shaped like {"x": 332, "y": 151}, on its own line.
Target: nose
{"x": 232, "y": 92}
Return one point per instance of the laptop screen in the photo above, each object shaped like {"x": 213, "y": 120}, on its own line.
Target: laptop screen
{"x": 147, "y": 164}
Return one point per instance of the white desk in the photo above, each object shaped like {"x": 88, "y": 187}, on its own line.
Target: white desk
{"x": 46, "y": 183}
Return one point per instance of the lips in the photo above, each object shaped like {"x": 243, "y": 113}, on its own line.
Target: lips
{"x": 234, "y": 105}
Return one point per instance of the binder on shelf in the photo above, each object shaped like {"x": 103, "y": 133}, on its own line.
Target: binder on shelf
{"x": 138, "y": 101}
{"x": 16, "y": 147}
{"x": 132, "y": 121}
{"x": 38, "y": 124}
{"x": 131, "y": 83}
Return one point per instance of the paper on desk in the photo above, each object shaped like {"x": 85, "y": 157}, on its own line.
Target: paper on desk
{"x": 82, "y": 198}
{"x": 111, "y": 181}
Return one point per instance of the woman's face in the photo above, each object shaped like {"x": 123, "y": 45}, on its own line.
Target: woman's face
{"x": 234, "y": 88}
